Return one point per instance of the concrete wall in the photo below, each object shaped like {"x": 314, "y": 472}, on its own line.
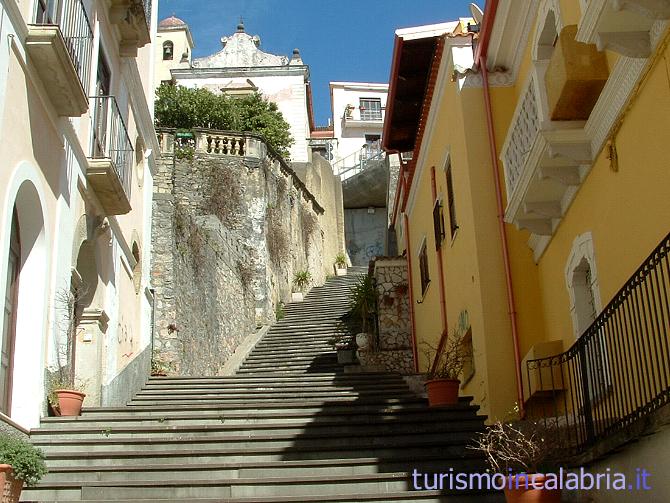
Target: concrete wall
{"x": 365, "y": 234}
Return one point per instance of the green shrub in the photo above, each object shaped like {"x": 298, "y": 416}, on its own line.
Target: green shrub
{"x": 27, "y": 461}
{"x": 184, "y": 108}
{"x": 302, "y": 279}
{"x": 341, "y": 260}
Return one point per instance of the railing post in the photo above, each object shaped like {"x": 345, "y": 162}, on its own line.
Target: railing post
{"x": 587, "y": 409}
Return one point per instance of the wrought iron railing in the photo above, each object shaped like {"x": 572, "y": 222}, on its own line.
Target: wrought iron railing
{"x": 110, "y": 138}
{"x": 70, "y": 16}
{"x": 618, "y": 372}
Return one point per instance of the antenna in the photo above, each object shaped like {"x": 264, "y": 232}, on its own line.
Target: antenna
{"x": 477, "y": 13}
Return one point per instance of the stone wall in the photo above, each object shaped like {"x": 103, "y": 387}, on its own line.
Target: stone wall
{"x": 394, "y": 345}
{"x": 231, "y": 228}
{"x": 365, "y": 234}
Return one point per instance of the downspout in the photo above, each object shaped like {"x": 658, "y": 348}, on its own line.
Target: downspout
{"x": 440, "y": 272}
{"x": 511, "y": 303}
{"x": 408, "y": 254}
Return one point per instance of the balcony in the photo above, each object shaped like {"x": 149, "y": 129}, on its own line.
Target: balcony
{"x": 59, "y": 45}
{"x": 363, "y": 118}
{"x": 607, "y": 388}
{"x": 545, "y": 161}
{"x": 370, "y": 155}
{"x": 110, "y": 164}
{"x": 133, "y": 17}
{"x": 622, "y": 26}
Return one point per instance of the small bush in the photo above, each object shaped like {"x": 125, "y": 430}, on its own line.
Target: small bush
{"x": 27, "y": 461}
{"x": 302, "y": 279}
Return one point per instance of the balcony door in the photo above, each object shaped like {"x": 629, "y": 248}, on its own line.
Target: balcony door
{"x": 46, "y": 12}
{"x": 9, "y": 325}
{"x": 101, "y": 109}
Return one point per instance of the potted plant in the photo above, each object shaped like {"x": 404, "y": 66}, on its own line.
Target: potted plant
{"x": 20, "y": 463}
{"x": 301, "y": 280}
{"x": 345, "y": 345}
{"x": 65, "y": 393}
{"x": 517, "y": 451}
{"x": 340, "y": 264}
{"x": 442, "y": 379}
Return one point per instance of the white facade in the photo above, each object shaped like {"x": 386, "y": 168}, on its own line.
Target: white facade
{"x": 75, "y": 195}
{"x": 241, "y": 67}
{"x": 358, "y": 111}
{"x": 173, "y": 49}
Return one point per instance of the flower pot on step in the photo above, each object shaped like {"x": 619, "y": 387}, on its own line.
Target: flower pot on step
{"x": 346, "y": 356}
{"x": 70, "y": 402}
{"x": 10, "y": 487}
{"x": 340, "y": 271}
{"x": 442, "y": 392}
{"x": 527, "y": 491}
{"x": 297, "y": 297}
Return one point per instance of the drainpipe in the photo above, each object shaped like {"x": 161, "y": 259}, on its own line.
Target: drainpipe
{"x": 511, "y": 304}
{"x": 440, "y": 272}
{"x": 408, "y": 253}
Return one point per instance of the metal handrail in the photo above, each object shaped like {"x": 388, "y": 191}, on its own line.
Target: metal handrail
{"x": 110, "y": 138}
{"x": 618, "y": 371}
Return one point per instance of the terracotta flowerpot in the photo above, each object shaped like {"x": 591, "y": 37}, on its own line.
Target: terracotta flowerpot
{"x": 10, "y": 487}
{"x": 530, "y": 495}
{"x": 442, "y": 392}
{"x": 70, "y": 401}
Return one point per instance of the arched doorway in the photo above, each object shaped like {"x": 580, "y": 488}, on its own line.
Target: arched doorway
{"x": 10, "y": 309}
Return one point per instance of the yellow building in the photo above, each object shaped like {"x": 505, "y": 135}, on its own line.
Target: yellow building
{"x": 537, "y": 145}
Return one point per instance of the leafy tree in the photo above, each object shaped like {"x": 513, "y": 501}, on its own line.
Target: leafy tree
{"x": 185, "y": 108}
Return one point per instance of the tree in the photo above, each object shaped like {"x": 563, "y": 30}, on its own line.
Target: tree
{"x": 185, "y": 108}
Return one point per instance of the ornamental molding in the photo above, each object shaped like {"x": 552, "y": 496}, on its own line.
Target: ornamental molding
{"x": 240, "y": 50}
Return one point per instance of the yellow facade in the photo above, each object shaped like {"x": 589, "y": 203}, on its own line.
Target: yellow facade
{"x": 621, "y": 208}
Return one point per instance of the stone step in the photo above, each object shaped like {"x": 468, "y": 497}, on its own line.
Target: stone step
{"x": 351, "y": 398}
{"x": 258, "y": 397}
{"x": 399, "y": 451}
{"x": 417, "y": 413}
{"x": 423, "y": 497}
{"x": 259, "y": 470}
{"x": 352, "y": 486}
{"x": 323, "y": 377}
{"x": 280, "y": 388}
{"x": 298, "y": 429}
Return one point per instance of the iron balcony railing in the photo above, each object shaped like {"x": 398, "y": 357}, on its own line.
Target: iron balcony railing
{"x": 110, "y": 138}
{"x": 618, "y": 372}
{"x": 71, "y": 18}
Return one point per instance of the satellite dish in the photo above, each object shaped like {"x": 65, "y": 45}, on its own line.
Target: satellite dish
{"x": 477, "y": 13}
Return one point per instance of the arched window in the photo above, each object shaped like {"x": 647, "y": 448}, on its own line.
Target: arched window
{"x": 9, "y": 325}
{"x": 168, "y": 50}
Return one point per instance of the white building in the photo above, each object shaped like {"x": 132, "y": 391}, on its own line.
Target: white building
{"x": 358, "y": 111}
{"x": 76, "y": 171}
{"x": 173, "y": 49}
{"x": 242, "y": 67}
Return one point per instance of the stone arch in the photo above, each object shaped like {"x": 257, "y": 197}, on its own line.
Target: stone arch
{"x": 581, "y": 276}
{"x": 25, "y": 215}
{"x": 549, "y": 25}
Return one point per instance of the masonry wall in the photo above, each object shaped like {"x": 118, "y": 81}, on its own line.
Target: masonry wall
{"x": 230, "y": 233}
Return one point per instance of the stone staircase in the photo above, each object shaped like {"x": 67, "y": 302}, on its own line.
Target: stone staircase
{"x": 291, "y": 426}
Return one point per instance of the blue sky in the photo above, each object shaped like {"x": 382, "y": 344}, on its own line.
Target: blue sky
{"x": 345, "y": 40}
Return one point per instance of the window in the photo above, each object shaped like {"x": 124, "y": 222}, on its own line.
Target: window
{"x": 372, "y": 145}
{"x": 45, "y": 12}
{"x": 168, "y": 50}
{"x": 423, "y": 268}
{"x": 453, "y": 225}
{"x": 438, "y": 224}
{"x": 371, "y": 109}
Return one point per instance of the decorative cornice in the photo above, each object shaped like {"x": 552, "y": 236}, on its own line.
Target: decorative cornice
{"x": 496, "y": 79}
